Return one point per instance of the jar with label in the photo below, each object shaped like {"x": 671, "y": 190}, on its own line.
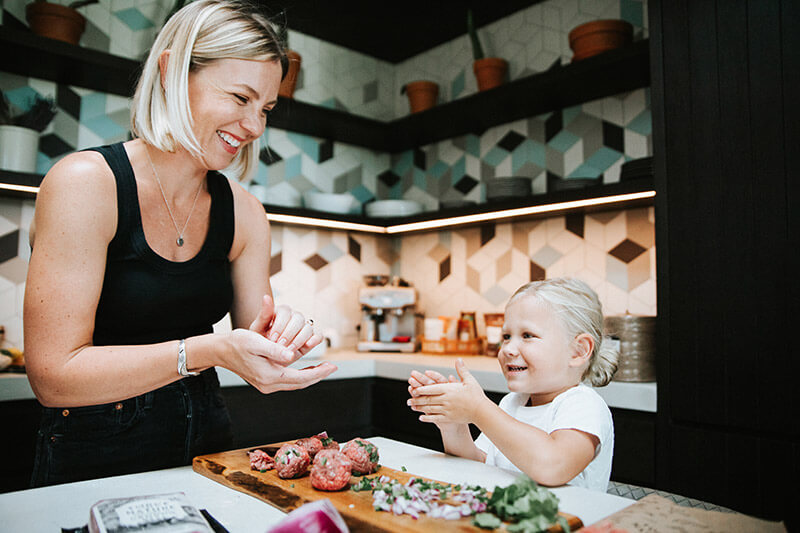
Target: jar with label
{"x": 494, "y": 332}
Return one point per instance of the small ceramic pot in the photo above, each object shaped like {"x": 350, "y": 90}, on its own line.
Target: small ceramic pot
{"x": 599, "y": 36}
{"x": 55, "y": 21}
{"x": 422, "y": 95}
{"x": 490, "y": 72}
{"x": 289, "y": 83}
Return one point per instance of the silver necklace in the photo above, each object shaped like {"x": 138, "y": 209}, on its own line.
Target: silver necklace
{"x": 179, "y": 240}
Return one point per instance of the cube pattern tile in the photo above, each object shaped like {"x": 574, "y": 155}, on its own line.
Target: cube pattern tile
{"x": 460, "y": 269}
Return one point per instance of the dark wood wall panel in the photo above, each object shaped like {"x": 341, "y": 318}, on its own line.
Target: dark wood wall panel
{"x": 725, "y": 110}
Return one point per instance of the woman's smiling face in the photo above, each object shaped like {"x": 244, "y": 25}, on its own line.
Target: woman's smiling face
{"x": 535, "y": 350}
{"x": 229, "y": 101}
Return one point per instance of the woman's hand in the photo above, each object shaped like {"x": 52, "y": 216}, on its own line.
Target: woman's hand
{"x": 262, "y": 363}
{"x": 446, "y": 402}
{"x": 286, "y": 328}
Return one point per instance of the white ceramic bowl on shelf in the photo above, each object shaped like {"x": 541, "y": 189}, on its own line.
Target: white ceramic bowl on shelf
{"x": 393, "y": 208}
{"x": 342, "y": 203}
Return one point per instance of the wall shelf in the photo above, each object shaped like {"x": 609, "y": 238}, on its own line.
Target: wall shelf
{"x": 624, "y": 194}
{"x": 610, "y": 73}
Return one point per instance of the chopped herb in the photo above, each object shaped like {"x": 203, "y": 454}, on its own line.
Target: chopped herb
{"x": 291, "y": 486}
{"x": 404, "y": 469}
{"x": 324, "y": 461}
{"x": 263, "y": 470}
{"x": 486, "y": 521}
{"x": 325, "y": 441}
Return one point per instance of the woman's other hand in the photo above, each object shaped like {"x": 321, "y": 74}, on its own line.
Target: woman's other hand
{"x": 262, "y": 363}
{"x": 286, "y": 328}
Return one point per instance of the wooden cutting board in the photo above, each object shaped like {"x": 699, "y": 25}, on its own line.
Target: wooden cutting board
{"x": 232, "y": 469}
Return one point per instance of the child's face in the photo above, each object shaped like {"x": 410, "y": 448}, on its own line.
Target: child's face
{"x": 536, "y": 351}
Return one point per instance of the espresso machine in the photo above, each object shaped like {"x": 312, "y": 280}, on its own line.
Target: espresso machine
{"x": 389, "y": 319}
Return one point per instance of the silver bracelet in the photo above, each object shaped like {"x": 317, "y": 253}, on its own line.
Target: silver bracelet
{"x": 182, "y": 360}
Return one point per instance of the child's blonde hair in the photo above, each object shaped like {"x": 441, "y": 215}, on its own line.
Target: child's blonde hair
{"x": 580, "y": 311}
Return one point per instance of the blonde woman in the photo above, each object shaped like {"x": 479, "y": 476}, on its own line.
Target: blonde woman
{"x": 550, "y": 426}
{"x": 140, "y": 247}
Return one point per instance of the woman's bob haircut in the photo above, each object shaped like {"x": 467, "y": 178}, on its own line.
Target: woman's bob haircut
{"x": 200, "y": 33}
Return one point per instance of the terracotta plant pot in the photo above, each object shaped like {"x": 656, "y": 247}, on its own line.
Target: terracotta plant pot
{"x": 599, "y": 36}
{"x": 55, "y": 21}
{"x": 288, "y": 84}
{"x": 490, "y": 72}
{"x": 422, "y": 95}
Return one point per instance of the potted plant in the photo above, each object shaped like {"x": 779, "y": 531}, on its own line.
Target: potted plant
{"x": 55, "y": 21}
{"x": 289, "y": 81}
{"x": 422, "y": 94}
{"x": 19, "y": 135}
{"x": 489, "y": 71}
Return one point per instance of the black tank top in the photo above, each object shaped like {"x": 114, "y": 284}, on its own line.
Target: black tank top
{"x": 148, "y": 299}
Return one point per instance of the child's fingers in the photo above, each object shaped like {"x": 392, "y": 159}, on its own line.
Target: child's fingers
{"x": 435, "y": 376}
{"x": 414, "y": 382}
{"x": 432, "y": 390}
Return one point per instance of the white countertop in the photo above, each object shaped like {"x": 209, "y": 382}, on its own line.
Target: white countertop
{"x": 354, "y": 364}
{"x": 50, "y": 508}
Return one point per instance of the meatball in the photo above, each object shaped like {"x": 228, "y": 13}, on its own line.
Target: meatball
{"x": 260, "y": 460}
{"x": 311, "y": 444}
{"x": 291, "y": 461}
{"x": 363, "y": 454}
{"x": 327, "y": 442}
{"x": 331, "y": 470}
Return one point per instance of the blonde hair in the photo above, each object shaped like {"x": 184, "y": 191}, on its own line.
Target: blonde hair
{"x": 580, "y": 311}
{"x": 198, "y": 34}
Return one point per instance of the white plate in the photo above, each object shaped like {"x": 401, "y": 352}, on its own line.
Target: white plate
{"x": 393, "y": 208}
{"x": 329, "y": 202}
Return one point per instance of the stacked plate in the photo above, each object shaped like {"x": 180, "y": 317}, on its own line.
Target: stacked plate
{"x": 329, "y": 202}
{"x": 570, "y": 184}
{"x": 637, "y": 168}
{"x": 510, "y": 187}
{"x": 393, "y": 208}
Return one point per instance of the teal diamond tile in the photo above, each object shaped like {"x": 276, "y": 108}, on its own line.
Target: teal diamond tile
{"x": 459, "y": 169}
{"x": 21, "y": 98}
{"x": 419, "y": 178}
{"x": 642, "y": 124}
{"x": 603, "y": 158}
{"x": 631, "y": 11}
{"x": 261, "y": 174}
{"x": 93, "y": 105}
{"x": 438, "y": 169}
{"x": 570, "y": 113}
{"x": 134, "y": 19}
{"x": 306, "y": 144}
{"x": 293, "y": 166}
{"x": 495, "y": 156}
{"x": 473, "y": 145}
{"x": 457, "y": 85}
{"x": 563, "y": 141}
{"x": 585, "y": 171}
{"x": 104, "y": 127}
{"x": 43, "y": 163}
{"x": 362, "y": 194}
{"x": 403, "y": 163}
{"x": 527, "y": 152}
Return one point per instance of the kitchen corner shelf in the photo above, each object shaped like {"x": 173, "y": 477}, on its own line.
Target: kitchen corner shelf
{"x": 553, "y": 203}
{"x": 604, "y": 75}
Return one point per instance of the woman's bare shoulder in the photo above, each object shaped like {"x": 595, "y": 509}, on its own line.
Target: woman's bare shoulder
{"x": 78, "y": 173}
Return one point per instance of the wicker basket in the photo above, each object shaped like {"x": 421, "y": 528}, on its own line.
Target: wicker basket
{"x": 637, "y": 353}
{"x": 453, "y": 346}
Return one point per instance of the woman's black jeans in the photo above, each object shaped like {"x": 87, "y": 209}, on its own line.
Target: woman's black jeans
{"x": 160, "y": 429}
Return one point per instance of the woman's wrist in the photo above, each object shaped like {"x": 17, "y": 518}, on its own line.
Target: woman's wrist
{"x": 201, "y": 352}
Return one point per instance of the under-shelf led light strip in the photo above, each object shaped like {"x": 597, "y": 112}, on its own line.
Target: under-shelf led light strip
{"x": 465, "y": 219}
{"x": 430, "y": 224}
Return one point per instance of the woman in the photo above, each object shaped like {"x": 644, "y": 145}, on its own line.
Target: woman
{"x": 140, "y": 247}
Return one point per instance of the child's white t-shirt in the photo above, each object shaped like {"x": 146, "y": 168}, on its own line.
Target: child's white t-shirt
{"x": 577, "y": 408}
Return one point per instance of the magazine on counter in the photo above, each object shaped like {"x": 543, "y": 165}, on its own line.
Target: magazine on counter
{"x": 170, "y": 513}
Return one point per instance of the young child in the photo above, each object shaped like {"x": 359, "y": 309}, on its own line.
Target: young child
{"x": 550, "y": 426}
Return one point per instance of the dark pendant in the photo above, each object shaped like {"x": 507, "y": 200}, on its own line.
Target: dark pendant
{"x": 180, "y": 241}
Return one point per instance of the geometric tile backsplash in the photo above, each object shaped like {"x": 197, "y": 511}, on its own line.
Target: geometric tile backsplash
{"x": 473, "y": 268}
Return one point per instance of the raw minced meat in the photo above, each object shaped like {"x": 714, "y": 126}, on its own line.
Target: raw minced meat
{"x": 260, "y": 460}
{"x": 291, "y": 461}
{"x": 331, "y": 470}
{"x": 363, "y": 454}
{"x": 327, "y": 442}
{"x": 311, "y": 444}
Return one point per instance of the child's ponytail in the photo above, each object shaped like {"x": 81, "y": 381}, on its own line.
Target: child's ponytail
{"x": 604, "y": 363}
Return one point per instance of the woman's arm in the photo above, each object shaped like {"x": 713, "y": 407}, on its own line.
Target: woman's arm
{"x": 75, "y": 219}
{"x": 550, "y": 459}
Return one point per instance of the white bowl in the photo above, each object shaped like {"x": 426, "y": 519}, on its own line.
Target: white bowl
{"x": 393, "y": 208}
{"x": 329, "y": 202}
